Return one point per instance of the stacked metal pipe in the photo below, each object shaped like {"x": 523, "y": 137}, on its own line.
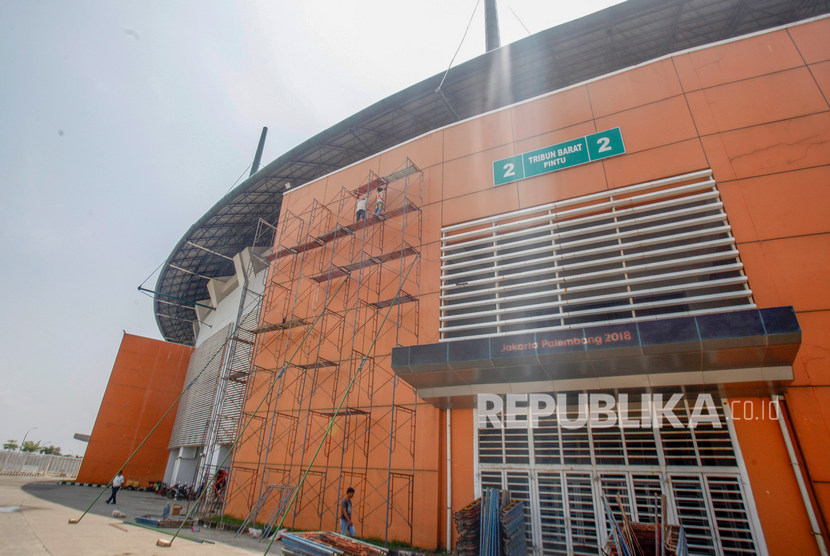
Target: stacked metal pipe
{"x": 325, "y": 543}
{"x": 468, "y": 525}
{"x": 297, "y": 545}
{"x": 490, "y": 523}
{"x": 513, "y": 529}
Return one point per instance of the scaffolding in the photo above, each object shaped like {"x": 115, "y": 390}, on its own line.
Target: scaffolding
{"x": 331, "y": 284}
{"x": 224, "y": 424}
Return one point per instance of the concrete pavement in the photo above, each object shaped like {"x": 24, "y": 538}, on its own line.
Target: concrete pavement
{"x": 34, "y": 515}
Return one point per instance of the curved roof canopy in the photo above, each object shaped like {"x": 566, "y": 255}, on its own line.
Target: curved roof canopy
{"x": 615, "y": 38}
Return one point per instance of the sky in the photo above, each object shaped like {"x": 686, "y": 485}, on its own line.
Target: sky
{"x": 123, "y": 122}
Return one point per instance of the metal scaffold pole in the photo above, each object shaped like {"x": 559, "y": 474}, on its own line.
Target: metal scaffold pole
{"x": 329, "y": 397}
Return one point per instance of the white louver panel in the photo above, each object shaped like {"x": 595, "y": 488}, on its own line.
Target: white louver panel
{"x": 196, "y": 405}
{"x": 582, "y": 519}
{"x": 646, "y": 251}
{"x": 239, "y": 363}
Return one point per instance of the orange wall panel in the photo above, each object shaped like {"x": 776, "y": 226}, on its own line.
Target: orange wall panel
{"x": 789, "y": 271}
{"x": 765, "y": 149}
{"x": 812, "y": 40}
{"x": 146, "y": 379}
{"x": 811, "y": 367}
{"x": 760, "y": 100}
{"x": 477, "y": 135}
{"x": 737, "y": 60}
{"x": 779, "y": 205}
{"x": 296, "y": 200}
{"x": 821, "y": 73}
{"x": 635, "y": 87}
{"x": 822, "y": 491}
{"x": 473, "y": 173}
{"x": 433, "y": 191}
{"x": 352, "y": 176}
{"x": 430, "y": 311}
{"x": 552, "y": 112}
{"x": 810, "y": 412}
{"x": 425, "y": 152}
{"x": 425, "y": 526}
{"x": 489, "y": 202}
{"x": 431, "y": 257}
{"x": 463, "y": 460}
{"x": 653, "y": 125}
{"x": 542, "y": 140}
{"x": 660, "y": 162}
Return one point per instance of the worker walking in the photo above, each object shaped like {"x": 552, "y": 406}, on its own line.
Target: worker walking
{"x": 346, "y": 525}
{"x": 116, "y": 486}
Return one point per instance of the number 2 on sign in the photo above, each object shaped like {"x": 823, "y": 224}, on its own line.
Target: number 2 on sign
{"x": 604, "y": 144}
{"x": 509, "y": 170}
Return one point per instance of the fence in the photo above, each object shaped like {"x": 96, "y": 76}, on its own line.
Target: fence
{"x": 27, "y": 463}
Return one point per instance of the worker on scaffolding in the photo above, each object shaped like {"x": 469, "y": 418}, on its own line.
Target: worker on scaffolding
{"x": 346, "y": 525}
{"x": 361, "y": 207}
{"x": 379, "y": 199}
{"x": 220, "y": 482}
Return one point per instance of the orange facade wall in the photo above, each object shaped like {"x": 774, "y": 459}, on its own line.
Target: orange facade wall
{"x": 146, "y": 379}
{"x": 756, "y": 112}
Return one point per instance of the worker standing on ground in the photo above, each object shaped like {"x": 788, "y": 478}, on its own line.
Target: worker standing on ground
{"x": 219, "y": 483}
{"x": 116, "y": 486}
{"x": 346, "y": 525}
{"x": 361, "y": 207}
{"x": 379, "y": 199}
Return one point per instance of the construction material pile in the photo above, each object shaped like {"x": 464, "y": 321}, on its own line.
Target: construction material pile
{"x": 164, "y": 522}
{"x": 513, "y": 529}
{"x": 491, "y": 526}
{"x": 468, "y": 525}
{"x": 490, "y": 523}
{"x": 633, "y": 538}
{"x": 325, "y": 543}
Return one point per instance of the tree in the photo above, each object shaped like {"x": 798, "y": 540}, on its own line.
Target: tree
{"x": 51, "y": 450}
{"x": 30, "y": 446}
{"x": 10, "y": 445}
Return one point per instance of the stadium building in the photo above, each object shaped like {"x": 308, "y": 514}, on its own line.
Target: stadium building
{"x": 627, "y": 210}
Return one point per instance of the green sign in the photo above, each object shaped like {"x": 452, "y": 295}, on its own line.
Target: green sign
{"x": 558, "y": 157}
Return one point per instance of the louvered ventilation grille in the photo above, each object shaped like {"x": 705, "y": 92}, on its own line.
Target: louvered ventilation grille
{"x": 239, "y": 364}
{"x": 196, "y": 405}
{"x": 646, "y": 251}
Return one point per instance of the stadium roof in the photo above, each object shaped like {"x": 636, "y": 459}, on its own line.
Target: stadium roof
{"x": 615, "y": 38}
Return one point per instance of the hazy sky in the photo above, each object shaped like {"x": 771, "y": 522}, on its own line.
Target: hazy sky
{"x": 122, "y": 122}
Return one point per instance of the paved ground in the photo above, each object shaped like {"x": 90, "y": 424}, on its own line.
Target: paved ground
{"x": 34, "y": 517}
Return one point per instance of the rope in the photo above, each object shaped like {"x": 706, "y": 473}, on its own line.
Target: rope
{"x": 519, "y": 20}
{"x": 459, "y": 45}
{"x": 226, "y": 192}
{"x": 151, "y": 274}
{"x": 239, "y": 178}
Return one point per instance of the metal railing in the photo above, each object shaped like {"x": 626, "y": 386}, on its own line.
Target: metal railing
{"x": 28, "y": 463}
